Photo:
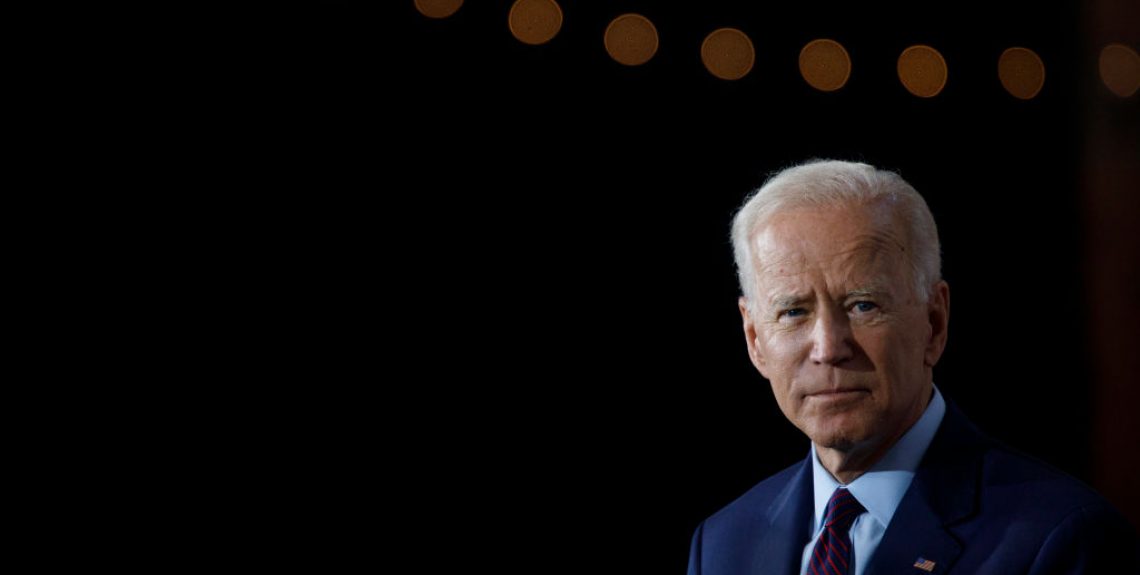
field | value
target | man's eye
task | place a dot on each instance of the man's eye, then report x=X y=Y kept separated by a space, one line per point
x=864 y=306
x=794 y=312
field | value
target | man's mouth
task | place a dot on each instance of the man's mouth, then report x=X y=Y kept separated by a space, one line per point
x=838 y=393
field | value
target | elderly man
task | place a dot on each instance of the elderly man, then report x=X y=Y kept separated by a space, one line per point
x=845 y=314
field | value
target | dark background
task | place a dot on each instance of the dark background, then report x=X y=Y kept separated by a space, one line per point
x=570 y=384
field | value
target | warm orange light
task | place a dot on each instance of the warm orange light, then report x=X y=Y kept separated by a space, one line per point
x=535 y=21
x=1021 y=72
x=825 y=65
x=1120 y=69
x=728 y=54
x=922 y=71
x=438 y=8
x=631 y=39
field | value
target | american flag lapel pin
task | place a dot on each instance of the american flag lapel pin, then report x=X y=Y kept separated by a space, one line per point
x=924 y=564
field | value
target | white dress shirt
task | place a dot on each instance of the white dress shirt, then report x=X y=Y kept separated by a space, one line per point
x=880 y=489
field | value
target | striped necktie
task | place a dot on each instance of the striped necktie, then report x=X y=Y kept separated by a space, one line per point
x=833 y=554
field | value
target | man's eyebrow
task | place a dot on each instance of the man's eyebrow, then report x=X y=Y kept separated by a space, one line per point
x=787 y=301
x=870 y=291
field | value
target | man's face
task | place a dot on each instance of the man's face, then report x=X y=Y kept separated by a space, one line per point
x=839 y=332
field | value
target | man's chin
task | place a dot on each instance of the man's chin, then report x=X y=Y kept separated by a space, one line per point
x=841 y=444
x=841 y=439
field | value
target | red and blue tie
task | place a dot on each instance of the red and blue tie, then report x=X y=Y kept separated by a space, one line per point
x=832 y=554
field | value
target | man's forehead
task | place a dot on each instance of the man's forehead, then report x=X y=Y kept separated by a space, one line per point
x=874 y=277
x=807 y=236
x=788 y=269
x=777 y=257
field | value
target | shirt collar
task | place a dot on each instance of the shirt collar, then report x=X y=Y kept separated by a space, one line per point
x=881 y=488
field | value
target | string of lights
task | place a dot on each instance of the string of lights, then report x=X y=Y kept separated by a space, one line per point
x=729 y=54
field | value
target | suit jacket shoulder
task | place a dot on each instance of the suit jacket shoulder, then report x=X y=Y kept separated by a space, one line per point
x=978 y=506
x=762 y=531
x=974 y=506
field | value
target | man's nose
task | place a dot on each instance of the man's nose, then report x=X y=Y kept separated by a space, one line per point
x=831 y=339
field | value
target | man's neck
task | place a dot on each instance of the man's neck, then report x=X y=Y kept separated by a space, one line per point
x=847 y=466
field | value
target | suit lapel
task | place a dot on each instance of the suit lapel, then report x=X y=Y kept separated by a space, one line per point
x=942 y=493
x=779 y=550
x=916 y=534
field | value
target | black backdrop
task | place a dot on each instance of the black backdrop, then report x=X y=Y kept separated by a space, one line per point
x=569 y=383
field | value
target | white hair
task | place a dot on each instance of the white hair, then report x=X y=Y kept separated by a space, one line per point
x=828 y=183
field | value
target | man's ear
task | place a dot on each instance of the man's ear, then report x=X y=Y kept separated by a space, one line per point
x=938 y=314
x=751 y=337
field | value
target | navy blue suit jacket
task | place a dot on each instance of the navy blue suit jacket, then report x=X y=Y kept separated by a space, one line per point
x=974 y=506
